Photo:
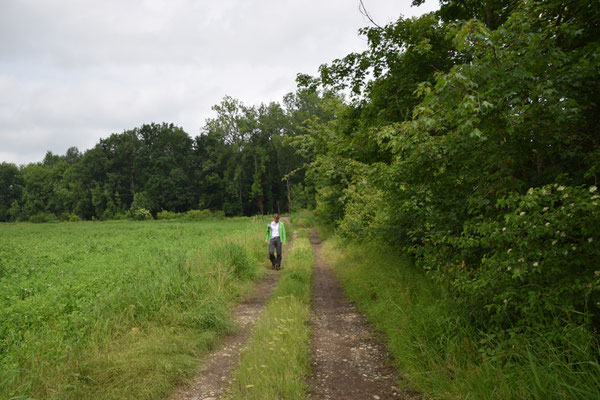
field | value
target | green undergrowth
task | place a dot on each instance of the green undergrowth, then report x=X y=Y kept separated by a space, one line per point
x=277 y=360
x=117 y=310
x=303 y=219
x=442 y=356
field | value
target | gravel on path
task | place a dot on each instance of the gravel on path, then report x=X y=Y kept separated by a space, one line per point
x=348 y=360
x=212 y=380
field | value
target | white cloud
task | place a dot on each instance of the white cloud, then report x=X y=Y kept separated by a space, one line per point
x=72 y=71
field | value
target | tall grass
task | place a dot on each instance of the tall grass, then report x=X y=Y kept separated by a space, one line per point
x=277 y=360
x=116 y=310
x=303 y=219
x=444 y=357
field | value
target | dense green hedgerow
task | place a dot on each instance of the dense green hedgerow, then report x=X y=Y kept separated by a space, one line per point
x=538 y=261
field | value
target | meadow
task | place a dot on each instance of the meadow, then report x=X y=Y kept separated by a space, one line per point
x=117 y=309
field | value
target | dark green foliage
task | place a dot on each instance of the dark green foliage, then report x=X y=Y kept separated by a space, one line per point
x=460 y=122
x=11 y=189
x=164 y=214
x=42 y=217
x=239 y=165
x=536 y=261
x=199 y=215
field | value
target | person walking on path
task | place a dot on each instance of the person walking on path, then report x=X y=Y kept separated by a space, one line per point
x=275 y=238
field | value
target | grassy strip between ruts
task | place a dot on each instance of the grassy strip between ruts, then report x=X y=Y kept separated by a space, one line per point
x=444 y=357
x=277 y=360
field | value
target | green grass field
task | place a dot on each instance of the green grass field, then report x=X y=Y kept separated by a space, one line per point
x=120 y=309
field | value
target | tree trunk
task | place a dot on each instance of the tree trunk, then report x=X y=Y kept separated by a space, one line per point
x=289 y=195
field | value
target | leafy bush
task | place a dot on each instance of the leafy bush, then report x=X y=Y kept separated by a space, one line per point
x=199 y=215
x=141 y=200
x=442 y=354
x=164 y=214
x=73 y=218
x=539 y=259
x=123 y=215
x=219 y=214
x=141 y=214
x=363 y=212
x=42 y=217
x=68 y=217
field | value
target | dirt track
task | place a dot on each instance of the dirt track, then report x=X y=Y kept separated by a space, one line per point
x=212 y=380
x=348 y=361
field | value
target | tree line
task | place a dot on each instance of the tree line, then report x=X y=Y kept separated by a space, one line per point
x=241 y=164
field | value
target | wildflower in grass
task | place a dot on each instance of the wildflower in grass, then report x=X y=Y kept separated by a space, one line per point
x=535 y=264
x=546 y=209
x=509 y=268
x=505 y=301
x=593 y=189
x=547 y=223
x=573 y=248
x=566 y=195
x=597 y=273
x=508 y=251
x=530 y=190
x=522 y=213
x=561 y=188
x=521 y=260
x=554 y=242
x=504 y=229
x=590 y=240
x=566 y=252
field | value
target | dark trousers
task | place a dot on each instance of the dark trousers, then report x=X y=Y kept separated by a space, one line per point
x=275 y=243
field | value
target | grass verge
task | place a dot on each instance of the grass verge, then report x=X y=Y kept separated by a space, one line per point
x=277 y=360
x=441 y=355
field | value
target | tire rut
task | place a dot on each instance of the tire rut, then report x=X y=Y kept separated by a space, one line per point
x=212 y=380
x=348 y=360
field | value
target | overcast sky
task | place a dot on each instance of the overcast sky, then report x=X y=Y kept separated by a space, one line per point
x=73 y=71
